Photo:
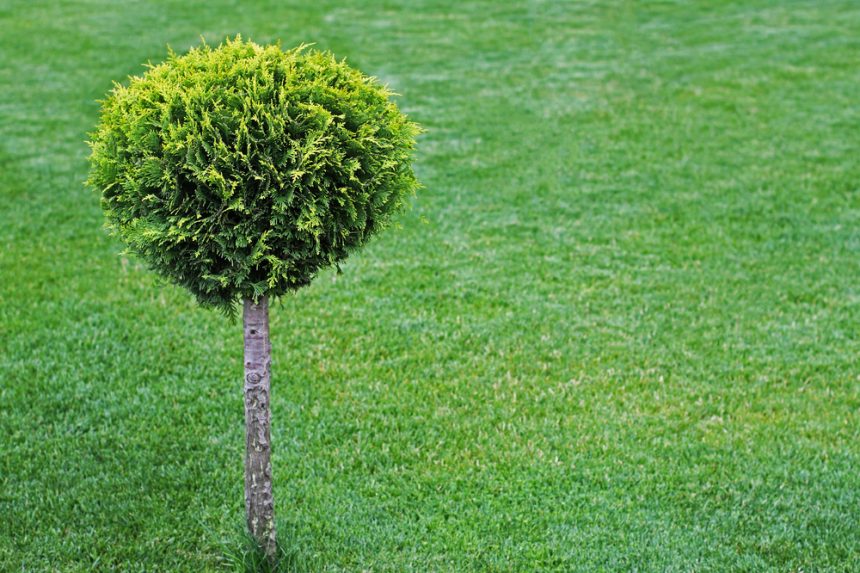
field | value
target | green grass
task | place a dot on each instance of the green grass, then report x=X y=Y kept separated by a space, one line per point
x=618 y=331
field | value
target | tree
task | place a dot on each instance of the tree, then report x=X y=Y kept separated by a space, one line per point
x=239 y=172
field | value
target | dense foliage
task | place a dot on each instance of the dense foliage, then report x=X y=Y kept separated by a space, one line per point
x=241 y=170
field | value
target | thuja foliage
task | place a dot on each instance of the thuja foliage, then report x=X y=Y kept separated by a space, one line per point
x=242 y=170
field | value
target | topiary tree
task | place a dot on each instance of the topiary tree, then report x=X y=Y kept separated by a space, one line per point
x=239 y=172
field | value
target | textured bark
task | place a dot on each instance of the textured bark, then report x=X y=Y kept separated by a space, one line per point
x=259 y=501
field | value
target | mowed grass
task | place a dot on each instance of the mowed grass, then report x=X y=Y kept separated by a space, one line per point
x=618 y=331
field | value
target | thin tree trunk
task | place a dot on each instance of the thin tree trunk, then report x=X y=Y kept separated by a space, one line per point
x=259 y=501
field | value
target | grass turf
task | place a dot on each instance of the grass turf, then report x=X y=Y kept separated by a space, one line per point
x=617 y=332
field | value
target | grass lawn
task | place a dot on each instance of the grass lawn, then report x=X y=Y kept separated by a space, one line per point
x=618 y=331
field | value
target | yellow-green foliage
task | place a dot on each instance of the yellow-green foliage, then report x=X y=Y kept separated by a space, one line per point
x=241 y=170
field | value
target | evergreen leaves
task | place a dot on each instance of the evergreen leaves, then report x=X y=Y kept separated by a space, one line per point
x=242 y=170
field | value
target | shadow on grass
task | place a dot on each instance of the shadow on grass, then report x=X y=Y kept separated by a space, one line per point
x=242 y=554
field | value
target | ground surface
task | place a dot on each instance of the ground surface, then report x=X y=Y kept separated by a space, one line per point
x=618 y=331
